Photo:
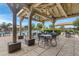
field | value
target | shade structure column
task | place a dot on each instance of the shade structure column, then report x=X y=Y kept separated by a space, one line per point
x=30 y=26
x=30 y=40
x=20 y=27
x=43 y=25
x=53 y=22
x=14 y=46
x=14 y=24
x=20 y=30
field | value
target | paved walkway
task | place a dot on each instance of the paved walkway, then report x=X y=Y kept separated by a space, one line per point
x=65 y=47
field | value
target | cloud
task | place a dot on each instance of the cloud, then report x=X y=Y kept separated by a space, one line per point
x=2 y=20
x=69 y=26
x=5 y=18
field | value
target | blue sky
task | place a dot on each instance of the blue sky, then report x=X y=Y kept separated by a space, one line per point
x=6 y=16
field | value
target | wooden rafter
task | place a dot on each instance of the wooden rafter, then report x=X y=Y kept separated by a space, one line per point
x=23 y=12
x=46 y=6
x=40 y=13
x=36 y=5
x=61 y=9
x=69 y=16
x=56 y=10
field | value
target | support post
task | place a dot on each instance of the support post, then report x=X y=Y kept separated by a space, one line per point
x=14 y=46
x=53 y=22
x=14 y=24
x=30 y=40
x=20 y=27
x=30 y=26
x=43 y=25
x=20 y=36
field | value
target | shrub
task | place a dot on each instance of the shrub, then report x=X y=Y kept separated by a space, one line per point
x=51 y=30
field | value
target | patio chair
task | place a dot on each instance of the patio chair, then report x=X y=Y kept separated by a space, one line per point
x=45 y=40
x=54 y=37
x=41 y=40
x=34 y=34
x=67 y=34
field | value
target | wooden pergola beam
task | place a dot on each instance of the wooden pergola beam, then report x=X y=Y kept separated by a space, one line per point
x=61 y=9
x=23 y=12
x=40 y=13
x=46 y=6
x=14 y=11
x=36 y=5
x=14 y=24
x=59 y=6
x=20 y=27
x=41 y=16
x=30 y=25
x=69 y=16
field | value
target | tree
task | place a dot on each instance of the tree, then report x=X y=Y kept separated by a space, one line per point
x=39 y=26
x=51 y=26
x=62 y=27
x=76 y=23
x=25 y=27
x=33 y=26
x=5 y=26
x=9 y=24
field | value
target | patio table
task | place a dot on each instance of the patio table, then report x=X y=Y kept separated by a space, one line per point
x=46 y=35
x=47 y=38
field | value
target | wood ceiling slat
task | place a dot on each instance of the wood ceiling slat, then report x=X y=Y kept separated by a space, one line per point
x=69 y=9
x=47 y=10
x=36 y=5
x=57 y=12
x=61 y=9
x=60 y=14
x=54 y=12
x=51 y=12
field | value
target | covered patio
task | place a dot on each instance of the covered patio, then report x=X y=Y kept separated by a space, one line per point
x=44 y=12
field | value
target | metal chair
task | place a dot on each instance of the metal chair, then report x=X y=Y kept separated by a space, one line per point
x=42 y=40
x=54 y=35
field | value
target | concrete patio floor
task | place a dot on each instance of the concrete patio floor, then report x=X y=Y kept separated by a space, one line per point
x=65 y=47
